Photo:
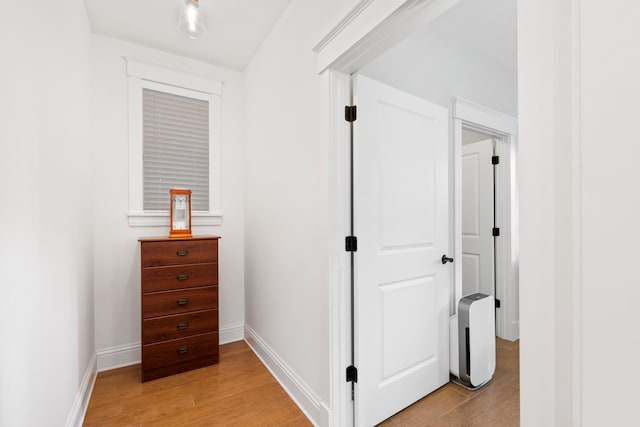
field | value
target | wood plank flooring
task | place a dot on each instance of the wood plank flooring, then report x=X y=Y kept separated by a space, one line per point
x=495 y=405
x=240 y=391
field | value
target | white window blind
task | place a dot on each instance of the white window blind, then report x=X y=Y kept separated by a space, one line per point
x=175 y=149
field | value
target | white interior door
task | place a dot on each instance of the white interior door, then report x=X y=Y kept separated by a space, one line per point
x=477 y=218
x=401 y=221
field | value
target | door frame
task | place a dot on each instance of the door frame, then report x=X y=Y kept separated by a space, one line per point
x=552 y=340
x=365 y=33
x=504 y=128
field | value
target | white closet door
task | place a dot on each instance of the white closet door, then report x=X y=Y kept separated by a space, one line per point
x=477 y=218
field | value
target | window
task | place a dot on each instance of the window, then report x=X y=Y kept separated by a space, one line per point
x=174 y=122
x=175 y=153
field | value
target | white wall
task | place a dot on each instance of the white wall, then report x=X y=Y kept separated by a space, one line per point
x=469 y=136
x=435 y=66
x=46 y=258
x=610 y=149
x=579 y=201
x=117 y=253
x=541 y=283
x=287 y=201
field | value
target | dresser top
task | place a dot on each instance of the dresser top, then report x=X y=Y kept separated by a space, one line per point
x=171 y=239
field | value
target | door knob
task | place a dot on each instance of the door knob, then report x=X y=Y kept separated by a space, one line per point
x=446 y=259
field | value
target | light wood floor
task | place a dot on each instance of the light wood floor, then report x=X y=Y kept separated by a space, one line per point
x=241 y=392
x=495 y=405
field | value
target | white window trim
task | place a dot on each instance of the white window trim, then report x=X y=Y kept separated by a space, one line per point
x=146 y=75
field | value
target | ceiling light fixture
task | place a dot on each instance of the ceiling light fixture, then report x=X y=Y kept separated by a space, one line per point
x=190 y=20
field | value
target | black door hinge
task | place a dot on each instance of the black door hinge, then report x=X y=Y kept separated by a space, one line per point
x=495 y=160
x=350 y=113
x=352 y=374
x=351 y=244
x=496 y=231
x=497 y=303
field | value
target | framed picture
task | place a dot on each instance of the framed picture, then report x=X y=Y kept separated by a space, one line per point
x=180 y=218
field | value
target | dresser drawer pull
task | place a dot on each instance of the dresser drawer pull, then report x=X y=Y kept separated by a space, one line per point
x=182 y=252
x=182 y=326
x=183 y=350
x=183 y=301
x=181 y=277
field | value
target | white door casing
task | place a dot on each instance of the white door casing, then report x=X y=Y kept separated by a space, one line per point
x=503 y=129
x=402 y=224
x=477 y=218
x=340 y=53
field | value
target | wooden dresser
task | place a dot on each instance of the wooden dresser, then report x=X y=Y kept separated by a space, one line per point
x=179 y=304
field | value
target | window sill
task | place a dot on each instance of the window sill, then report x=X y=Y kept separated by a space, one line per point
x=161 y=219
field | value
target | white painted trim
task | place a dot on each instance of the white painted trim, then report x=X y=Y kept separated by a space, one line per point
x=118 y=356
x=162 y=74
x=339 y=85
x=371 y=28
x=161 y=219
x=303 y=395
x=146 y=75
x=504 y=127
x=492 y=120
x=507 y=325
x=514 y=247
x=81 y=402
x=455 y=186
x=576 y=208
x=344 y=23
x=361 y=21
x=231 y=333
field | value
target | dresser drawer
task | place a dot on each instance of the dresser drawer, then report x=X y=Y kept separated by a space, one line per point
x=180 y=350
x=156 y=279
x=179 y=326
x=181 y=301
x=178 y=252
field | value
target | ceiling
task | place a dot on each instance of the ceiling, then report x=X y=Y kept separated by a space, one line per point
x=235 y=28
x=486 y=26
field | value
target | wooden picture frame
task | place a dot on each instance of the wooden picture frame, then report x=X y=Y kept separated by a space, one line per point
x=180 y=213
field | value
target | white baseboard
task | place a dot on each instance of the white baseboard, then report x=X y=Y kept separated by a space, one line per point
x=315 y=410
x=514 y=333
x=231 y=333
x=119 y=356
x=79 y=408
x=129 y=354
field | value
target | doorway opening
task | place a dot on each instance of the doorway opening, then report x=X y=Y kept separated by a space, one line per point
x=479 y=228
x=487 y=223
x=426 y=63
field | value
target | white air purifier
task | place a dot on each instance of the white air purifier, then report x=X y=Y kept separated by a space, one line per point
x=473 y=341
